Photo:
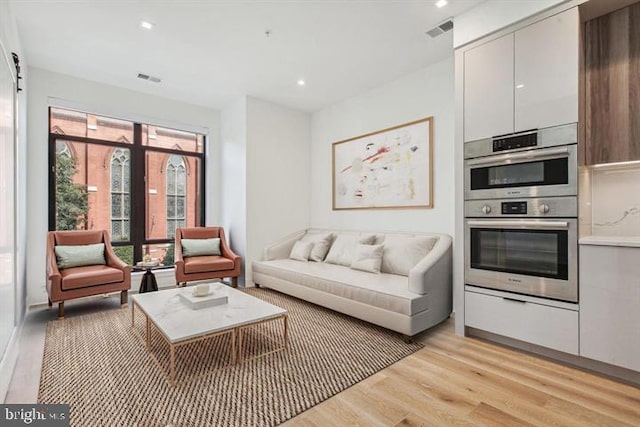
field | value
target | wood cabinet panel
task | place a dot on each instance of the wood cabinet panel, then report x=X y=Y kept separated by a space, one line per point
x=612 y=86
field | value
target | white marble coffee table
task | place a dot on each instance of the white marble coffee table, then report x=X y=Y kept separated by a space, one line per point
x=179 y=324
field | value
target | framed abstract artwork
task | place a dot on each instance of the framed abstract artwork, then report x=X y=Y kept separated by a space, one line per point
x=388 y=169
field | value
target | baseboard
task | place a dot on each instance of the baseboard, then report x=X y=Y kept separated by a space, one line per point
x=8 y=363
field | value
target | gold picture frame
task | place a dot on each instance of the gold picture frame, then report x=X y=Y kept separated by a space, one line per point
x=388 y=169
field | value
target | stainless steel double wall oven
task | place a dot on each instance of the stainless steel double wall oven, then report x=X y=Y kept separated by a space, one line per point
x=522 y=213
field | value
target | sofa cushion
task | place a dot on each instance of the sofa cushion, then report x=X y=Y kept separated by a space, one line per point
x=386 y=291
x=321 y=245
x=200 y=247
x=341 y=252
x=301 y=251
x=367 y=258
x=89 y=275
x=402 y=253
x=201 y=264
x=68 y=256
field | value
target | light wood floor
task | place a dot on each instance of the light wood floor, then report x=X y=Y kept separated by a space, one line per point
x=456 y=381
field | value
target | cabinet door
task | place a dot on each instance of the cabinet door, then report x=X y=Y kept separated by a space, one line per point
x=610 y=305
x=546 y=72
x=488 y=89
x=612 y=86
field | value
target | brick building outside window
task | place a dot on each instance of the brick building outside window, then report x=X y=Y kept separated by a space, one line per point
x=140 y=181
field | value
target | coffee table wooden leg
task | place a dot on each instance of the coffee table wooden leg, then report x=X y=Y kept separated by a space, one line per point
x=172 y=364
x=133 y=314
x=239 y=344
x=286 y=331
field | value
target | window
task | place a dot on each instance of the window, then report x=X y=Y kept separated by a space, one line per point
x=62 y=149
x=8 y=202
x=120 y=200
x=176 y=194
x=135 y=180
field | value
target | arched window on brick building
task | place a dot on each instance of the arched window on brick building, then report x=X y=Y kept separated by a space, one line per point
x=120 y=194
x=62 y=149
x=176 y=194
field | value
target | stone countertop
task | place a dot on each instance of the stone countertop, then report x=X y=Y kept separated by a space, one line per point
x=624 y=241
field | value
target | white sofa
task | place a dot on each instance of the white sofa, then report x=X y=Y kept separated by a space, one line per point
x=405 y=304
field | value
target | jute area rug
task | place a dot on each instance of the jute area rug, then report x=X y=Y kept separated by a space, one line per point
x=99 y=365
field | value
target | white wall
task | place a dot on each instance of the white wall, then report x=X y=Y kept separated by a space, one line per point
x=277 y=175
x=109 y=100
x=233 y=138
x=494 y=15
x=265 y=165
x=428 y=92
x=11 y=42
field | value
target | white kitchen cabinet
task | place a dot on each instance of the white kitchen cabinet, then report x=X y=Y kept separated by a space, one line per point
x=513 y=317
x=524 y=80
x=488 y=89
x=610 y=304
x=546 y=72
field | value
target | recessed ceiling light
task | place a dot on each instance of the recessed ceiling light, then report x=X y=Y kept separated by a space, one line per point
x=301 y=82
x=148 y=25
x=519 y=86
x=441 y=3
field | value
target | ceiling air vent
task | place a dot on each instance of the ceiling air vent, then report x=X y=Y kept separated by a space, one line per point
x=150 y=78
x=441 y=28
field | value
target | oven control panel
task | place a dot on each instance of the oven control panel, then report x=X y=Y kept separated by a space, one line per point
x=566 y=207
x=514 y=208
x=529 y=139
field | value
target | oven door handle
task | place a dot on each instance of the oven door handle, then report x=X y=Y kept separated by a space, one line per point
x=544 y=154
x=541 y=225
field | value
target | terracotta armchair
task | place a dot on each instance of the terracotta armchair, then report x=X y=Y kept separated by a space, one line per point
x=209 y=266
x=88 y=280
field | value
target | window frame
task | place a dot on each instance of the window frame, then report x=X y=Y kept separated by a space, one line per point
x=121 y=193
x=175 y=195
x=137 y=186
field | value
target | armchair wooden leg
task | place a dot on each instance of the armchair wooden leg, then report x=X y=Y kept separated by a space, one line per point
x=124 y=297
x=234 y=282
x=49 y=302
x=257 y=285
x=61 y=310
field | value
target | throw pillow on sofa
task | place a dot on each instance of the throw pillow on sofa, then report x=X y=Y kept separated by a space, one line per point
x=341 y=252
x=79 y=255
x=402 y=253
x=367 y=258
x=321 y=244
x=301 y=251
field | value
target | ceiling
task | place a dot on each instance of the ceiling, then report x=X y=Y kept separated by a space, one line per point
x=211 y=52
